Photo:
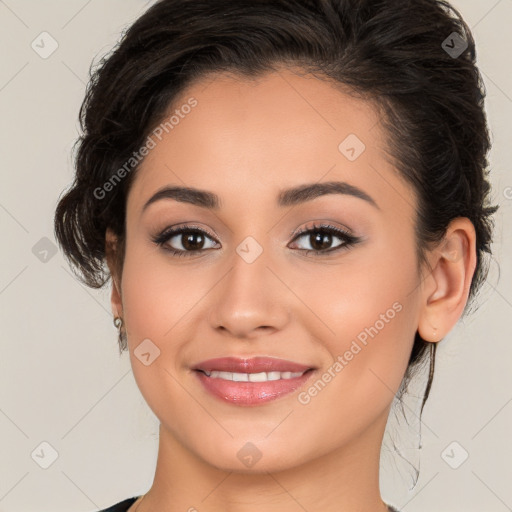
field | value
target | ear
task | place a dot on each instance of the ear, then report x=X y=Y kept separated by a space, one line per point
x=111 y=249
x=445 y=289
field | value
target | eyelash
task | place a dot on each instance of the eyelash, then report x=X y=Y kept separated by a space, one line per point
x=348 y=239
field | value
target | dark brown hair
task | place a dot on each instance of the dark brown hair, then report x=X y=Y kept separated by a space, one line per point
x=399 y=55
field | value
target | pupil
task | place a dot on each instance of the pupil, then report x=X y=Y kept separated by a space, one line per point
x=317 y=239
x=189 y=244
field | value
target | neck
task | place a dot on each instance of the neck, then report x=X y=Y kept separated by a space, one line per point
x=346 y=479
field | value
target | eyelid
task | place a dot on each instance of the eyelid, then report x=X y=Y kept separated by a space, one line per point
x=186 y=227
x=345 y=234
x=293 y=234
x=318 y=225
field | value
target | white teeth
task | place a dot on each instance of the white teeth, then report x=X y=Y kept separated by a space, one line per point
x=257 y=377
x=252 y=377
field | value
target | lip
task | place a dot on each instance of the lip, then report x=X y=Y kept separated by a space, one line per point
x=251 y=393
x=252 y=365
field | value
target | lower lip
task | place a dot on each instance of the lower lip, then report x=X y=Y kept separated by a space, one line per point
x=252 y=393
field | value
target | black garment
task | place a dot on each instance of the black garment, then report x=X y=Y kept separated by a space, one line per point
x=123 y=506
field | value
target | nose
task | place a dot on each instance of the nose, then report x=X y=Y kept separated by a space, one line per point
x=251 y=299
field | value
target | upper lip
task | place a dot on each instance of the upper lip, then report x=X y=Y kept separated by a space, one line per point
x=250 y=365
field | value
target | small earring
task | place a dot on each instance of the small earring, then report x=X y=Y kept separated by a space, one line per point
x=118 y=322
x=121 y=335
x=435 y=334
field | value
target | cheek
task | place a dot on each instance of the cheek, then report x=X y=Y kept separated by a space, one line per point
x=156 y=294
x=368 y=353
x=369 y=317
x=160 y=302
x=156 y=300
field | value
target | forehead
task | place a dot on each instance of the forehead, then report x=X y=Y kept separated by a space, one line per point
x=278 y=131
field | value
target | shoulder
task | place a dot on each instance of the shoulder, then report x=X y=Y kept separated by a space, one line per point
x=122 y=506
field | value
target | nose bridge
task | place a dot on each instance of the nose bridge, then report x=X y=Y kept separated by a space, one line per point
x=249 y=295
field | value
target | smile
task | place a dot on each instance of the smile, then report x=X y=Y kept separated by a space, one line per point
x=251 y=382
x=253 y=377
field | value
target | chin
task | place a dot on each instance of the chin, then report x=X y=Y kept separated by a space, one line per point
x=244 y=456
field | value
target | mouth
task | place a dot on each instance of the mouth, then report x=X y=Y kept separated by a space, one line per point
x=252 y=377
x=251 y=382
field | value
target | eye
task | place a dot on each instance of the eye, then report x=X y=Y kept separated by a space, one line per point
x=321 y=236
x=188 y=240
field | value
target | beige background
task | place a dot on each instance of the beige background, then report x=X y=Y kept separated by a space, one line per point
x=62 y=381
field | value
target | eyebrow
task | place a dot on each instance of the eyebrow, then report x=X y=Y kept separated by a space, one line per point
x=288 y=197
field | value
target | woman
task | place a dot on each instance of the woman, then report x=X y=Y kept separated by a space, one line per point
x=291 y=199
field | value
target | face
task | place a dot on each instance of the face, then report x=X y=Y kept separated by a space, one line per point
x=324 y=280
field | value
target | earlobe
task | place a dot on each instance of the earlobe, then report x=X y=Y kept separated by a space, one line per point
x=446 y=288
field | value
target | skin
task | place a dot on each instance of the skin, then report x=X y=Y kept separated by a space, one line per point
x=245 y=141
